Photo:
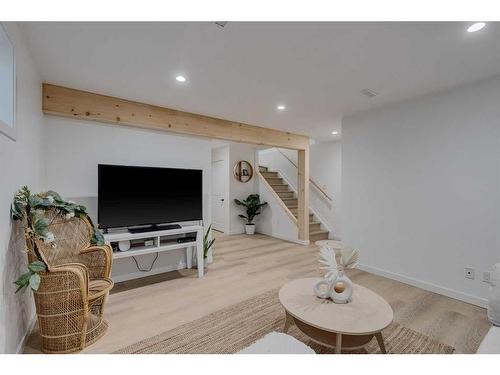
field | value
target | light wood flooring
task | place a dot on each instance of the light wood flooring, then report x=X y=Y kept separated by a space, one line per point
x=245 y=266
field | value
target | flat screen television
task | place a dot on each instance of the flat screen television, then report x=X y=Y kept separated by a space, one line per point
x=135 y=196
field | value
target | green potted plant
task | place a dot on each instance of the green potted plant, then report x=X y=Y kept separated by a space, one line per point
x=207 y=244
x=30 y=209
x=253 y=206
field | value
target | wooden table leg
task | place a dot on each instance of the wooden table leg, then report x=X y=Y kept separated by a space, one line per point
x=288 y=322
x=380 y=341
x=338 y=343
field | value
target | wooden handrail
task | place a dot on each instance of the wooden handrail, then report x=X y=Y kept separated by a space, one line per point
x=277 y=197
x=310 y=179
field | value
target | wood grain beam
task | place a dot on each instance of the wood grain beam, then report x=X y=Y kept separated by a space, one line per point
x=67 y=102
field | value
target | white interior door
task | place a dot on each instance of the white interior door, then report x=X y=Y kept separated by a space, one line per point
x=219 y=194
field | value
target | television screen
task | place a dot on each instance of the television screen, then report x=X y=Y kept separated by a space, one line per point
x=130 y=196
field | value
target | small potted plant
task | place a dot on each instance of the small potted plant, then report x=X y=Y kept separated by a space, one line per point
x=252 y=205
x=207 y=244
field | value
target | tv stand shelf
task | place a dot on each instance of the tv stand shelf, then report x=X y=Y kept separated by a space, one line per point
x=161 y=244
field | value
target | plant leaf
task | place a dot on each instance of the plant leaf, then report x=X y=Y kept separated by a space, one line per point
x=36 y=266
x=206 y=243
x=40 y=225
x=23 y=281
x=35 y=281
x=54 y=195
x=16 y=210
x=238 y=202
x=35 y=200
x=97 y=237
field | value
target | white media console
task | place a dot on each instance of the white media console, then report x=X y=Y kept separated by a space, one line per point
x=162 y=240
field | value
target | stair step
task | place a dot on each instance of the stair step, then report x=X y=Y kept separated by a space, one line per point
x=318 y=235
x=279 y=187
x=314 y=226
x=274 y=180
x=285 y=194
x=262 y=168
x=269 y=174
x=290 y=202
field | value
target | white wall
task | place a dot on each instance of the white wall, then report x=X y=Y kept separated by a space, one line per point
x=73 y=149
x=21 y=163
x=421 y=191
x=273 y=220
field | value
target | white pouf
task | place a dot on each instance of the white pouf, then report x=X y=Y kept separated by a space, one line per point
x=277 y=343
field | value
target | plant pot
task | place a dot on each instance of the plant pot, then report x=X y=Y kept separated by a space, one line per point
x=205 y=264
x=250 y=228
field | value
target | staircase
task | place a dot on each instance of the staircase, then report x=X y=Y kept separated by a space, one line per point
x=290 y=200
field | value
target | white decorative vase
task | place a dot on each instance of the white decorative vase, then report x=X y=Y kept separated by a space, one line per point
x=341 y=288
x=250 y=228
x=338 y=289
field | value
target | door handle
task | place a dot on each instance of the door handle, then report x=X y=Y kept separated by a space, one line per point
x=222 y=200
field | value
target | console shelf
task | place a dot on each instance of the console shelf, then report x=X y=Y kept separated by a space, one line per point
x=161 y=243
x=151 y=249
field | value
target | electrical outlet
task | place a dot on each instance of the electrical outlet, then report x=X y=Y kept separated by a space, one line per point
x=487 y=277
x=469 y=273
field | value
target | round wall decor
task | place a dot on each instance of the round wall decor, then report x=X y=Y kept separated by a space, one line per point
x=243 y=171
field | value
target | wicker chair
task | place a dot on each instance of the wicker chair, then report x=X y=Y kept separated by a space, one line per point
x=72 y=293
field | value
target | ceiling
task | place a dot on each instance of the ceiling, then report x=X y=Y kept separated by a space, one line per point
x=243 y=71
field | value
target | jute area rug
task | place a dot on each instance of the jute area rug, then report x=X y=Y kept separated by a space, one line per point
x=235 y=327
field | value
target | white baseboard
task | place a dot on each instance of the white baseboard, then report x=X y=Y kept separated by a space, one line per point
x=478 y=301
x=24 y=339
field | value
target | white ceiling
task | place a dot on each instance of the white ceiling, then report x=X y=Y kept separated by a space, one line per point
x=243 y=71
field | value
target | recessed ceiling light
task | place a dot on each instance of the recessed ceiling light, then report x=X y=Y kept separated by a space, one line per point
x=180 y=79
x=476 y=27
x=280 y=108
x=335 y=132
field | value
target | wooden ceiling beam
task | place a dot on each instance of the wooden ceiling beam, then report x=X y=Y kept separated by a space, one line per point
x=67 y=102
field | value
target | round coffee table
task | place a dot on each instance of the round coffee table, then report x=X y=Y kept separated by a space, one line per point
x=349 y=326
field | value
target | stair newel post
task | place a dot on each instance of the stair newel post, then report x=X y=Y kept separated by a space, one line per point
x=303 y=193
